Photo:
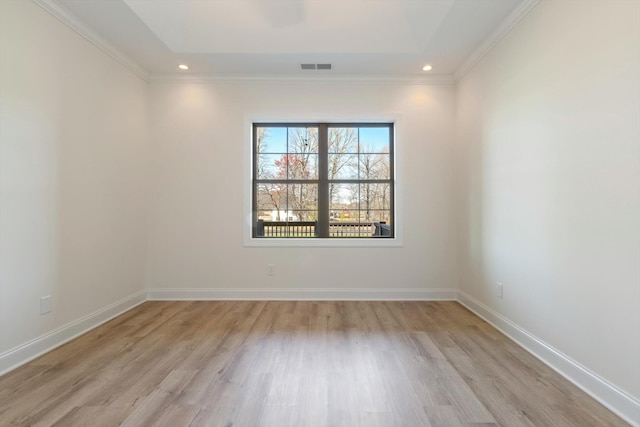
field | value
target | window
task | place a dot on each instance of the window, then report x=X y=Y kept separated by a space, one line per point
x=319 y=180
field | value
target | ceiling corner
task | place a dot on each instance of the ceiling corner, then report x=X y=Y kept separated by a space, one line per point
x=77 y=25
x=495 y=37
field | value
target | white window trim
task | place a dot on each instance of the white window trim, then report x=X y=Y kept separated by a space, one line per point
x=250 y=241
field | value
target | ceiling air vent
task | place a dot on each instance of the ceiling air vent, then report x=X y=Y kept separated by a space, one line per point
x=315 y=66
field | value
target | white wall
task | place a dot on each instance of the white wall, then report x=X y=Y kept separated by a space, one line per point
x=73 y=176
x=197 y=210
x=547 y=156
x=549 y=150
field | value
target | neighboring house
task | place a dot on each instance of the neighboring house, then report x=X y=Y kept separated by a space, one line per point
x=281 y=215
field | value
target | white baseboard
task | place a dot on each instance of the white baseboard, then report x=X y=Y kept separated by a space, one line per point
x=305 y=294
x=24 y=353
x=624 y=405
x=619 y=402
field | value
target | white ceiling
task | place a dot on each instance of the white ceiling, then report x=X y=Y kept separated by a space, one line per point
x=391 y=38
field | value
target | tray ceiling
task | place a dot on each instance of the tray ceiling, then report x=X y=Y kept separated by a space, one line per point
x=273 y=37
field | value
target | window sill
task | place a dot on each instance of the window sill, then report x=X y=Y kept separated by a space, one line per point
x=323 y=243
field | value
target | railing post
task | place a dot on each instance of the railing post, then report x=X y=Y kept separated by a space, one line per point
x=260 y=228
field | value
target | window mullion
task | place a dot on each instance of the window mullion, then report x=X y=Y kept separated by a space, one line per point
x=272 y=179
x=254 y=177
x=322 y=229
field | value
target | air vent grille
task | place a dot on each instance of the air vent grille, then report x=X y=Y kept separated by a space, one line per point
x=315 y=66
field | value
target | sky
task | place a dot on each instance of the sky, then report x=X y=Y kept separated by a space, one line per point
x=371 y=139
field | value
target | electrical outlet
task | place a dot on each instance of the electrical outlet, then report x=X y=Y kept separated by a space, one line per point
x=271 y=270
x=499 y=289
x=45 y=304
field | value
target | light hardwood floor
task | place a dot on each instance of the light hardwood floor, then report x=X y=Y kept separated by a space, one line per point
x=256 y=363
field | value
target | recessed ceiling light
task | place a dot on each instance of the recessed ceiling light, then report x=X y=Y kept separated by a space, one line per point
x=183 y=67
x=427 y=68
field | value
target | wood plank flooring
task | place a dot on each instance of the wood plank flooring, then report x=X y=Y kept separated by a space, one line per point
x=294 y=363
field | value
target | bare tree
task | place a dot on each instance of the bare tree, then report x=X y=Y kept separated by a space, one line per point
x=341 y=142
x=261 y=147
x=385 y=170
x=301 y=163
x=272 y=196
x=371 y=166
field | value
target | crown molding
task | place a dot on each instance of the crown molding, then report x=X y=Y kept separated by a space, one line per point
x=77 y=25
x=438 y=79
x=495 y=37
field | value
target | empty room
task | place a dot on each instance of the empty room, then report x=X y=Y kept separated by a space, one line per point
x=320 y=213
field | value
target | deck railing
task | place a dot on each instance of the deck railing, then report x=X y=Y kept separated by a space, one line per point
x=351 y=229
x=286 y=229
x=308 y=229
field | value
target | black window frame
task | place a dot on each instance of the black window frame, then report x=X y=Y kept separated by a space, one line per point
x=322 y=225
